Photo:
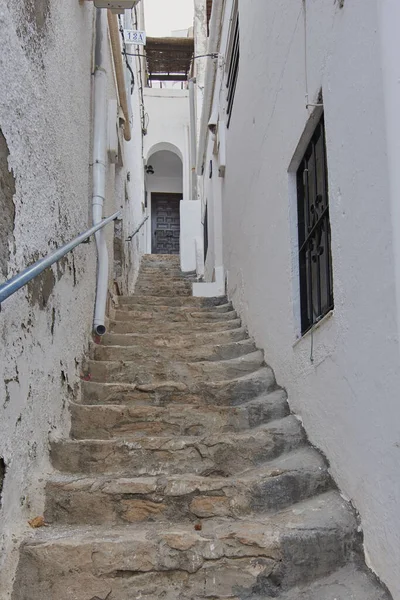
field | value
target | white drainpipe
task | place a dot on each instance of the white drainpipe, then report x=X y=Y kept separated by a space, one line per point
x=100 y=166
x=193 y=176
x=211 y=69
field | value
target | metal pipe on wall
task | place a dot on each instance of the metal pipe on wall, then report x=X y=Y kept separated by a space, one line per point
x=193 y=138
x=211 y=70
x=119 y=70
x=100 y=167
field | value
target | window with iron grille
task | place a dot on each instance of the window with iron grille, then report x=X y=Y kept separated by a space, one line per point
x=205 y=233
x=232 y=66
x=315 y=262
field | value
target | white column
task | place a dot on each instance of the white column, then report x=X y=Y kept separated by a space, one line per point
x=186 y=165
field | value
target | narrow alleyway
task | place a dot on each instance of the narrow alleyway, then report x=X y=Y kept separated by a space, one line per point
x=186 y=477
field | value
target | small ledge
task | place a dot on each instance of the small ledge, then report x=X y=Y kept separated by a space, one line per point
x=314 y=327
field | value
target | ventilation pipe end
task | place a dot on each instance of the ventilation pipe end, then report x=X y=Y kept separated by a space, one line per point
x=100 y=329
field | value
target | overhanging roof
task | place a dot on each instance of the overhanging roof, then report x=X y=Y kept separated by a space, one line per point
x=169 y=59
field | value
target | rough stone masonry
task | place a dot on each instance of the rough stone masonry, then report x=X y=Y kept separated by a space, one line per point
x=186 y=477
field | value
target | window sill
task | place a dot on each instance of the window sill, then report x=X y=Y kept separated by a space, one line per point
x=314 y=327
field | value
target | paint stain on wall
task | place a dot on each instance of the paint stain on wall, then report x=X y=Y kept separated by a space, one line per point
x=37 y=12
x=40 y=288
x=7 y=212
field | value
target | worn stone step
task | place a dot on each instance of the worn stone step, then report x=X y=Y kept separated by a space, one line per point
x=156 y=370
x=168 y=311
x=223 y=393
x=178 y=317
x=266 y=555
x=220 y=453
x=198 y=353
x=178 y=340
x=156 y=288
x=167 y=326
x=352 y=582
x=171 y=301
x=107 y=421
x=167 y=279
x=275 y=485
x=164 y=291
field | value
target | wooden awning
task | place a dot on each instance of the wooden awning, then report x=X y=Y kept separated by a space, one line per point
x=169 y=59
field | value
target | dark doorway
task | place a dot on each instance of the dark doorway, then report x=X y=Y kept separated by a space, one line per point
x=165 y=223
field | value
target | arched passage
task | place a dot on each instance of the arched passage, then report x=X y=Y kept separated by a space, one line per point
x=164 y=184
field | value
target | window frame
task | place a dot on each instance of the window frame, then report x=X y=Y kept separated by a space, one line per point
x=314 y=232
x=232 y=62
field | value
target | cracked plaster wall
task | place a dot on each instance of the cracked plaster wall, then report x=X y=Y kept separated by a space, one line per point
x=45 y=328
x=348 y=396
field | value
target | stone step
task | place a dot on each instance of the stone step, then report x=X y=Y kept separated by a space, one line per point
x=178 y=341
x=167 y=326
x=157 y=370
x=266 y=555
x=168 y=311
x=179 y=317
x=352 y=582
x=171 y=301
x=160 y=258
x=219 y=454
x=107 y=421
x=223 y=393
x=72 y=500
x=154 y=280
x=199 y=353
x=156 y=287
x=165 y=292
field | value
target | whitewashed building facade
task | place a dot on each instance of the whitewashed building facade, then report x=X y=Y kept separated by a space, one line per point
x=297 y=158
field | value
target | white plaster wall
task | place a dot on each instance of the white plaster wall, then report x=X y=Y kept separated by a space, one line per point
x=45 y=116
x=348 y=397
x=190 y=214
x=168 y=113
x=200 y=40
x=171 y=185
x=133 y=193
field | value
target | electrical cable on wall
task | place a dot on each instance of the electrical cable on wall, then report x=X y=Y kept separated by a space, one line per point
x=121 y=29
x=144 y=130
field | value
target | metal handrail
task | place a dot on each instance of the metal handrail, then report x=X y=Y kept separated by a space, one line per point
x=18 y=281
x=128 y=239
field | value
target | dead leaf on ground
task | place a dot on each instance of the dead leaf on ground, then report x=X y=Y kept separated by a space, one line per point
x=37 y=522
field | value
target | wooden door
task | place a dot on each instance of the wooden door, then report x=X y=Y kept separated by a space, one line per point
x=165 y=223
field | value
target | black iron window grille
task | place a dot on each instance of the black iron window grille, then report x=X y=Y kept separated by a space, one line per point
x=205 y=233
x=315 y=262
x=233 y=69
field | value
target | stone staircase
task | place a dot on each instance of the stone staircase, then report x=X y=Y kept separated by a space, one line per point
x=185 y=476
